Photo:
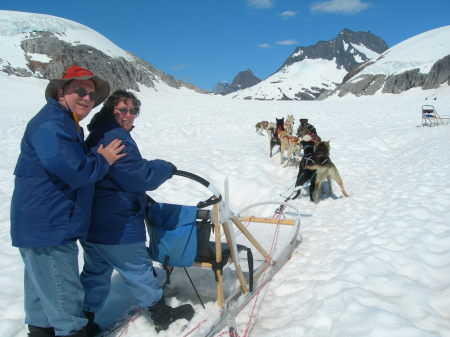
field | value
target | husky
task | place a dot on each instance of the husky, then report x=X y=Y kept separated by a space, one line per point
x=260 y=126
x=304 y=175
x=325 y=169
x=289 y=124
x=274 y=139
x=287 y=143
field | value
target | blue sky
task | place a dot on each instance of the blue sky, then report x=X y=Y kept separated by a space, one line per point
x=207 y=41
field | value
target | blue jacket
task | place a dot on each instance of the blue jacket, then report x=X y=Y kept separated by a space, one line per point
x=54 y=183
x=119 y=202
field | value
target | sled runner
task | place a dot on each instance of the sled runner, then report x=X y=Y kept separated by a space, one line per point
x=243 y=250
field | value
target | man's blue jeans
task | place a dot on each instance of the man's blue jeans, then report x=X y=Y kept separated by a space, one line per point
x=131 y=261
x=53 y=292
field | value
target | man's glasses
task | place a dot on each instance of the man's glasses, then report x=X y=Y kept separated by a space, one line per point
x=80 y=91
x=124 y=111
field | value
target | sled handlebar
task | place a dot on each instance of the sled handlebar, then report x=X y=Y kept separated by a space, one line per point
x=217 y=197
x=192 y=176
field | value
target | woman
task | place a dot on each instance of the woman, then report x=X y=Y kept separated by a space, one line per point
x=116 y=238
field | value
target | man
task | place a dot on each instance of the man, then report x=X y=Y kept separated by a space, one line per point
x=51 y=202
x=307 y=129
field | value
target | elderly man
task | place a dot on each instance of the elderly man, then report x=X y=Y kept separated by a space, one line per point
x=51 y=203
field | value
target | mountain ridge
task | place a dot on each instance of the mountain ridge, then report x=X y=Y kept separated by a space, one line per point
x=310 y=71
x=49 y=44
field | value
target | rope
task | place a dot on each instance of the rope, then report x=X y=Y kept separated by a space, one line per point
x=124 y=328
x=194 y=328
x=277 y=230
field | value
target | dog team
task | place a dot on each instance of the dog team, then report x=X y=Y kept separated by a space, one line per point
x=315 y=165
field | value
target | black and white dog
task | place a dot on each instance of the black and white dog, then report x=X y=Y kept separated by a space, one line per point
x=274 y=139
x=304 y=175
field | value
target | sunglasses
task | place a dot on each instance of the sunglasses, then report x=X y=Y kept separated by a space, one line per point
x=83 y=92
x=124 y=111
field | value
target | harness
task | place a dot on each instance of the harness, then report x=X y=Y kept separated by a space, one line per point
x=275 y=134
x=321 y=158
x=292 y=139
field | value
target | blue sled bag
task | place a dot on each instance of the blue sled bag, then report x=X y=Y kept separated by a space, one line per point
x=173 y=234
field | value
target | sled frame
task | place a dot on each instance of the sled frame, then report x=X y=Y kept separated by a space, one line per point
x=430 y=117
x=222 y=218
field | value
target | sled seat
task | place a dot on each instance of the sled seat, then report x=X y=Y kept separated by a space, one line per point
x=180 y=237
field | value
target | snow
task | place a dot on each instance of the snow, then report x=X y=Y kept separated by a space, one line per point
x=364 y=50
x=295 y=77
x=39 y=57
x=16 y=26
x=300 y=52
x=346 y=45
x=420 y=51
x=374 y=264
x=301 y=76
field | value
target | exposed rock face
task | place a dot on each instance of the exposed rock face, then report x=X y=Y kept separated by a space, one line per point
x=394 y=84
x=220 y=87
x=242 y=80
x=121 y=73
x=342 y=49
x=439 y=74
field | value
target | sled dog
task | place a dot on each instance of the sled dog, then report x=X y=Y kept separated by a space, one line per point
x=289 y=125
x=287 y=143
x=274 y=139
x=260 y=126
x=325 y=169
x=304 y=175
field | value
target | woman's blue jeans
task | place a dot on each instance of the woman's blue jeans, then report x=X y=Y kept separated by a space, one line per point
x=53 y=292
x=131 y=261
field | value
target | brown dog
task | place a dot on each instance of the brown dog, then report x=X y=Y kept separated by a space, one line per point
x=291 y=145
x=260 y=126
x=325 y=169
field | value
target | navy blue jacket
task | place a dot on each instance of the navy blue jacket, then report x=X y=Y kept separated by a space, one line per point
x=54 y=183
x=119 y=202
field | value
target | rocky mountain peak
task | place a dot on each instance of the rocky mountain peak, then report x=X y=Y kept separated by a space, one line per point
x=47 y=45
x=242 y=80
x=349 y=48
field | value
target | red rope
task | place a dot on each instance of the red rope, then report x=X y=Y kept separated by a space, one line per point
x=131 y=319
x=277 y=230
x=194 y=328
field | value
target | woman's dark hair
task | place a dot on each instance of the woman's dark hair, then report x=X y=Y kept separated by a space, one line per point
x=108 y=107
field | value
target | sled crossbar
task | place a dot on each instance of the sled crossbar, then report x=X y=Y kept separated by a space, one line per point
x=289 y=222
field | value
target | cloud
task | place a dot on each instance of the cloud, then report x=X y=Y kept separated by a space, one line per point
x=264 y=45
x=286 y=42
x=288 y=14
x=340 y=6
x=260 y=4
x=181 y=66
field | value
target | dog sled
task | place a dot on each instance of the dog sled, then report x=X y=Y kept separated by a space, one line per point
x=226 y=257
x=430 y=117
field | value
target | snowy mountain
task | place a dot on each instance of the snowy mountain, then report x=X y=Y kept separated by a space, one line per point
x=220 y=87
x=420 y=61
x=309 y=71
x=244 y=79
x=43 y=46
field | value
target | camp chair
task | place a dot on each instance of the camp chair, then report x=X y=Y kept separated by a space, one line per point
x=430 y=117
